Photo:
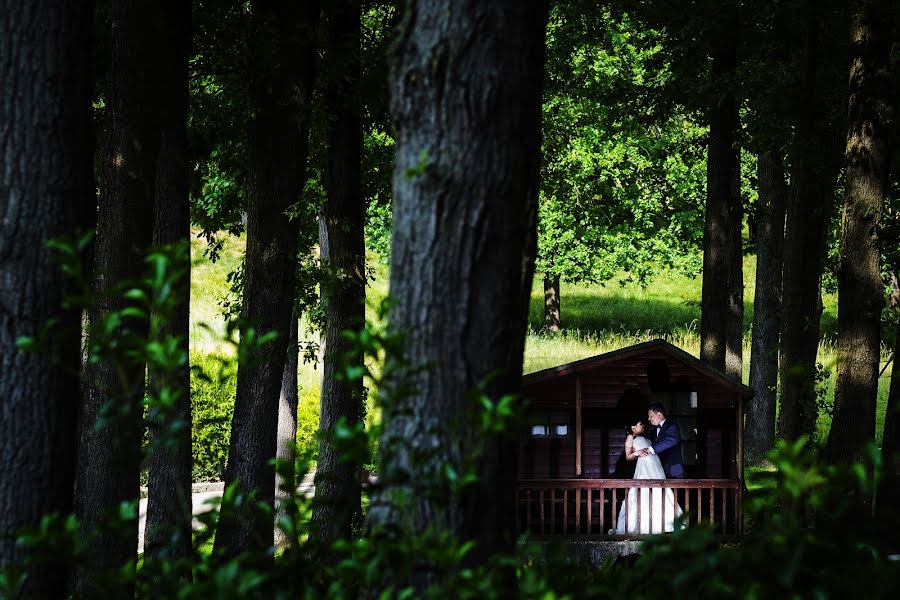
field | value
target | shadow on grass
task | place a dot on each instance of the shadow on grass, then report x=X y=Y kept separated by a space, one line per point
x=594 y=314
x=628 y=314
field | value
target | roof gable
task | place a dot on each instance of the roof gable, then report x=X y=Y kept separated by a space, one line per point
x=586 y=364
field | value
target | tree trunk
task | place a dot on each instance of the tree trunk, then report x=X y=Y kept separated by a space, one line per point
x=888 y=499
x=464 y=242
x=343 y=254
x=860 y=291
x=722 y=310
x=281 y=64
x=45 y=187
x=168 y=525
x=109 y=456
x=551 y=304
x=286 y=452
x=760 y=423
x=808 y=215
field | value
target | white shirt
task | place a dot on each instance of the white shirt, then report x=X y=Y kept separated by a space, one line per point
x=658 y=429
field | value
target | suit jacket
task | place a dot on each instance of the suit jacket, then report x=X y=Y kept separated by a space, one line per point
x=667 y=446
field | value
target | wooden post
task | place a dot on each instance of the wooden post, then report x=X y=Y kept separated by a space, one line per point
x=577 y=426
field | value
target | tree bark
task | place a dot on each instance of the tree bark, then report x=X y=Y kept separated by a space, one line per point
x=808 y=215
x=286 y=452
x=110 y=454
x=551 y=304
x=722 y=306
x=168 y=525
x=860 y=291
x=45 y=188
x=760 y=424
x=282 y=65
x=466 y=96
x=343 y=254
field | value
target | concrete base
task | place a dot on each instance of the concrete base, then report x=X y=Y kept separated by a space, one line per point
x=592 y=554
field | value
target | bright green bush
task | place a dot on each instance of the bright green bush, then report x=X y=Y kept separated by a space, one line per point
x=213 y=386
x=212 y=405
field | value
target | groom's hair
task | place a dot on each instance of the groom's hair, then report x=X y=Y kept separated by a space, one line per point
x=658 y=407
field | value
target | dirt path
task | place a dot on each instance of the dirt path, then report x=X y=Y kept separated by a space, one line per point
x=204 y=498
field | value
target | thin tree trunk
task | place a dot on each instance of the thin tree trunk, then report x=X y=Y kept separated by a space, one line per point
x=286 y=452
x=551 y=304
x=168 y=525
x=888 y=499
x=45 y=188
x=343 y=253
x=722 y=310
x=760 y=425
x=808 y=215
x=860 y=291
x=282 y=64
x=464 y=241
x=109 y=455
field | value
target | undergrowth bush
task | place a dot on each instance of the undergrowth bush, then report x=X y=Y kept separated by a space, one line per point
x=213 y=385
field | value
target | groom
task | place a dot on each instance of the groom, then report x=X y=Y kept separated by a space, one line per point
x=665 y=438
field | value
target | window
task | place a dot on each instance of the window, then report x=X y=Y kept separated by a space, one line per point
x=550 y=424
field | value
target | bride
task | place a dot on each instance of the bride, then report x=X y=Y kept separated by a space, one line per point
x=642 y=508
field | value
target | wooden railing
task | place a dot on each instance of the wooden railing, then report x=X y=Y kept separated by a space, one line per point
x=590 y=507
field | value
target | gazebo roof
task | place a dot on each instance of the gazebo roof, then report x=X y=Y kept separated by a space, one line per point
x=586 y=364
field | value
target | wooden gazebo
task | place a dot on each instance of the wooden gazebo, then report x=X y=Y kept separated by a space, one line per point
x=572 y=476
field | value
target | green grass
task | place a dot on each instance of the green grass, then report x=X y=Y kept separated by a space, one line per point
x=596 y=318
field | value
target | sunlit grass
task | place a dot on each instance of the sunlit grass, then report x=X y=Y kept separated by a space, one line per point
x=596 y=319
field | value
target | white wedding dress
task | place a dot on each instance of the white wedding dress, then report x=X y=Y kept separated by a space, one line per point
x=642 y=510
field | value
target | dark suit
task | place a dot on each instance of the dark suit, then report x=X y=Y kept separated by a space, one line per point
x=667 y=446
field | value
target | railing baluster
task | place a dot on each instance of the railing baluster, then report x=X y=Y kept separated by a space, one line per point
x=615 y=506
x=662 y=527
x=552 y=511
x=528 y=510
x=589 y=521
x=541 y=501
x=724 y=508
x=712 y=506
x=636 y=526
x=565 y=511
x=577 y=511
x=602 y=510
x=687 y=505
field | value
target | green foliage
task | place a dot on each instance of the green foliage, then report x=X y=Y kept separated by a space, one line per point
x=213 y=383
x=808 y=535
x=622 y=188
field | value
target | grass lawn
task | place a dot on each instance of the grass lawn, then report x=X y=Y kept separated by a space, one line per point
x=596 y=318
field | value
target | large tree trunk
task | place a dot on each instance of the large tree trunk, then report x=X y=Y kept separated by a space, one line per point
x=282 y=64
x=109 y=456
x=808 y=215
x=343 y=253
x=168 y=525
x=286 y=450
x=860 y=291
x=551 y=304
x=722 y=310
x=466 y=83
x=760 y=427
x=45 y=182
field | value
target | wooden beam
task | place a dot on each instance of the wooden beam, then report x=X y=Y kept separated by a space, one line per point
x=578 y=426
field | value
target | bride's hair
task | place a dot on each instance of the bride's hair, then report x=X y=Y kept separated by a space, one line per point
x=629 y=428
